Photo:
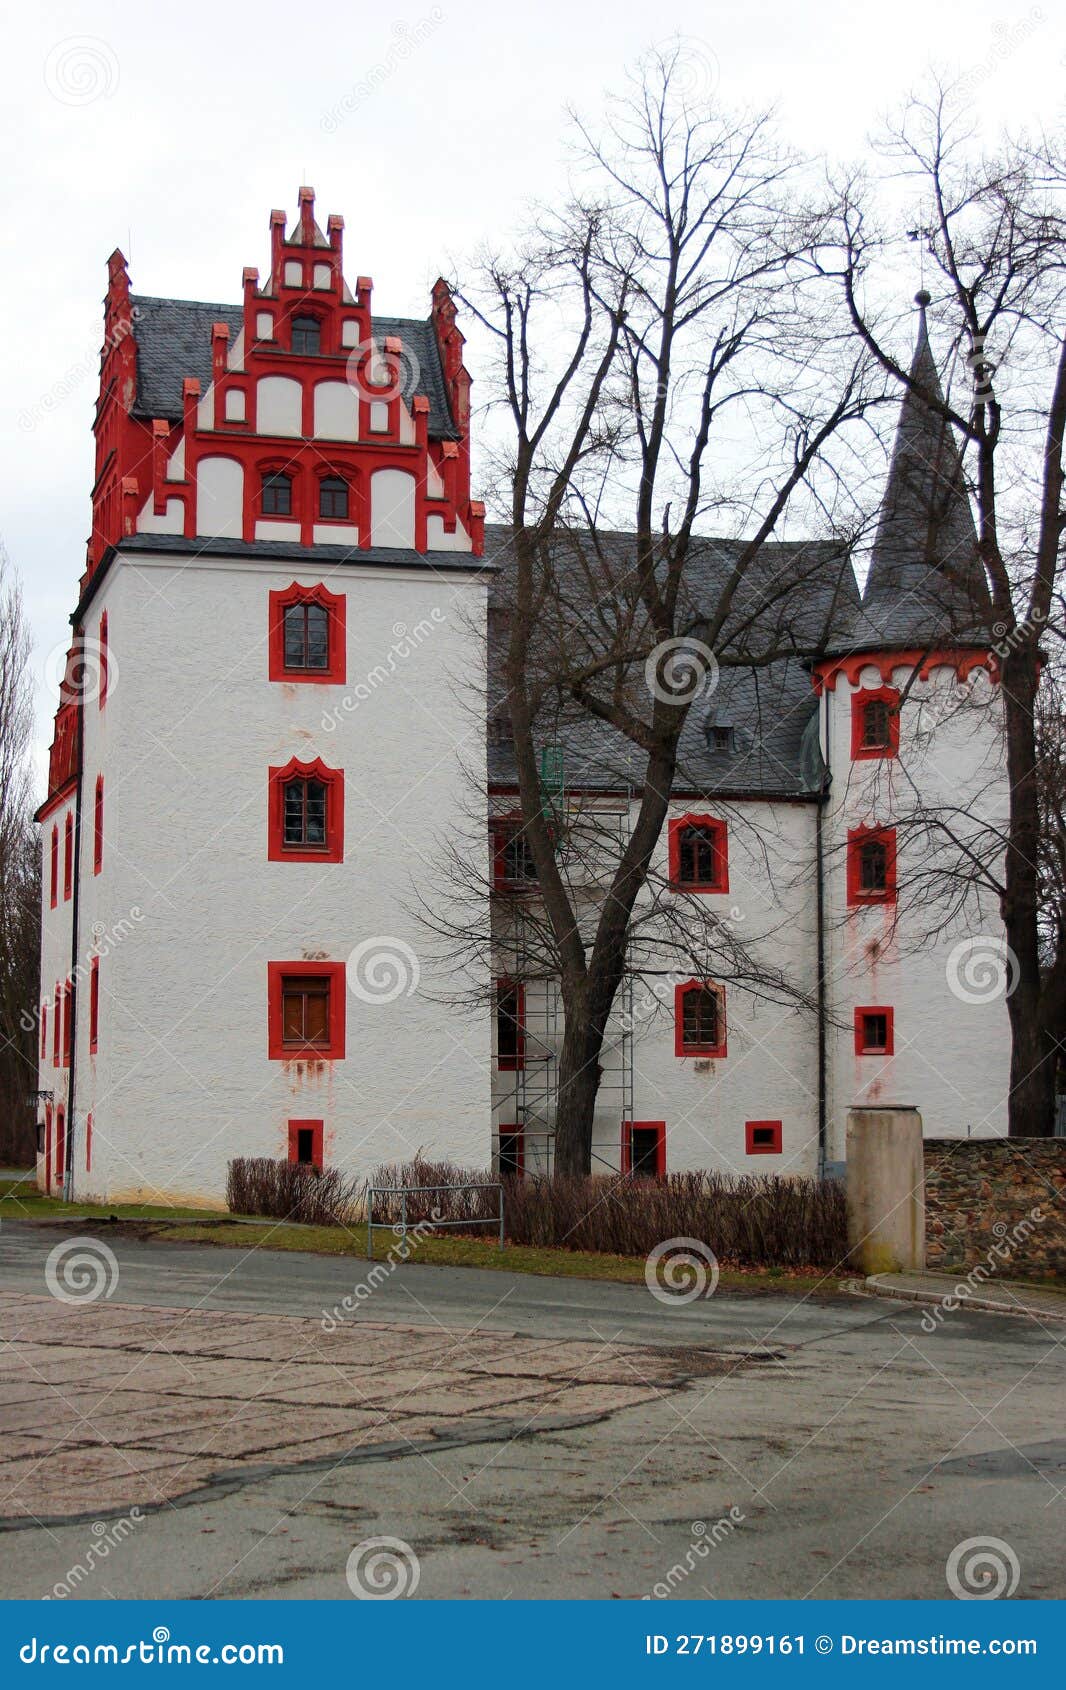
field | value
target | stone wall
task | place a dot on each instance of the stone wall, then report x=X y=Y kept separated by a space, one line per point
x=997 y=1201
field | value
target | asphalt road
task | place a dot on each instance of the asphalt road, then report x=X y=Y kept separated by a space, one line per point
x=853 y=1459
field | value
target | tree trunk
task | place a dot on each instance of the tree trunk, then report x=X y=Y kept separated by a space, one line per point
x=579 y=1082
x=1031 y=1107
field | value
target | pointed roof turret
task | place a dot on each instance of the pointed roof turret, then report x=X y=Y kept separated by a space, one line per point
x=925 y=582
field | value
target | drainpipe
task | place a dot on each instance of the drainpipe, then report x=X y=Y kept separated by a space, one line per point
x=819 y=862
x=79 y=763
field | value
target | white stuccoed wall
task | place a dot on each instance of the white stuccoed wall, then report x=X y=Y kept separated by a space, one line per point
x=952 y=1057
x=182 y=1081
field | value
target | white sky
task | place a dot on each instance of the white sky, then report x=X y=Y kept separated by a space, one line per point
x=171 y=132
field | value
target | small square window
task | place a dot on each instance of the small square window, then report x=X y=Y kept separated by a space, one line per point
x=874 y=1031
x=305 y=1143
x=762 y=1138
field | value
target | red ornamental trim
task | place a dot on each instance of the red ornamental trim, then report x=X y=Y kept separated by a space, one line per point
x=333 y=780
x=713 y=826
x=964 y=662
x=859 y=700
x=680 y=993
x=315 y=1129
x=857 y=838
x=334 y=974
x=335 y=606
x=861 y=1046
x=762 y=1138
x=628 y=1129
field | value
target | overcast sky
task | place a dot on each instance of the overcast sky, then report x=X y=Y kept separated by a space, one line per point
x=172 y=131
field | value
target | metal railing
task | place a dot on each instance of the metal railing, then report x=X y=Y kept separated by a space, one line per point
x=402 y=1227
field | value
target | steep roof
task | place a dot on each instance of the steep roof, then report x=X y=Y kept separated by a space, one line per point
x=793 y=596
x=173 y=340
x=925 y=583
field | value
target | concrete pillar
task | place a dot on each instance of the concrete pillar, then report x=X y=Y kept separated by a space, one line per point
x=886 y=1189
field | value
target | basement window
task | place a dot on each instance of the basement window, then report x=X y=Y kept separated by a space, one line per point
x=762 y=1138
x=644 y=1149
x=305 y=1143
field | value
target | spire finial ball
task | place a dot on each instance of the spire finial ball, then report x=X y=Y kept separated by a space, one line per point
x=923 y=299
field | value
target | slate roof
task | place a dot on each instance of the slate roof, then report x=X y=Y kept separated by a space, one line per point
x=173 y=340
x=796 y=594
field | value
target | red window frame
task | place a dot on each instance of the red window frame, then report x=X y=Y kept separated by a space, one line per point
x=680 y=1047
x=61 y=1144
x=717 y=828
x=859 y=700
x=628 y=1129
x=315 y=1129
x=862 y=1045
x=98 y=825
x=104 y=660
x=857 y=838
x=89 y=1142
x=68 y=855
x=277 y=974
x=57 y=1023
x=47 y=1148
x=67 y=999
x=512 y=1131
x=94 y=1003
x=769 y=1138
x=333 y=780
x=44 y=1029
x=504 y=830
x=334 y=605
x=512 y=1064
x=54 y=868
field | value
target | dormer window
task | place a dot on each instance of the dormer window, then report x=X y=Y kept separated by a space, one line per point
x=306 y=336
x=276 y=495
x=333 y=498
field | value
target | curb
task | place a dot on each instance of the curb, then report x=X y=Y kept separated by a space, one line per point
x=875 y=1287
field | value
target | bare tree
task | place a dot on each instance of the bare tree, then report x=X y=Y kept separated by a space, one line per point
x=19 y=881
x=992 y=228
x=671 y=308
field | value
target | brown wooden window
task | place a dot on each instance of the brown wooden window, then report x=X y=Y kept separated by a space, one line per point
x=305 y=1011
x=306 y=636
x=700 y=1017
x=875 y=725
x=305 y=805
x=873 y=866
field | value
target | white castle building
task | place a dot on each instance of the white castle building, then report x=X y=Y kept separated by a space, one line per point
x=278 y=703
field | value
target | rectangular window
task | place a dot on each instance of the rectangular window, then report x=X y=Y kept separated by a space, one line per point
x=305 y=1010
x=276 y=495
x=305 y=813
x=66 y=1024
x=305 y=1143
x=57 y=1020
x=510 y=1028
x=54 y=869
x=44 y=1028
x=699 y=1019
x=874 y=1031
x=511 y=1161
x=512 y=857
x=644 y=1149
x=699 y=854
x=68 y=856
x=94 y=1002
x=307 y=635
x=762 y=1138
x=103 y=659
x=871 y=866
x=98 y=826
x=875 y=723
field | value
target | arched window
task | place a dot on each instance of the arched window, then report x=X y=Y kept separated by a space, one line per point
x=306 y=813
x=699 y=1019
x=699 y=854
x=276 y=494
x=306 y=335
x=333 y=498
